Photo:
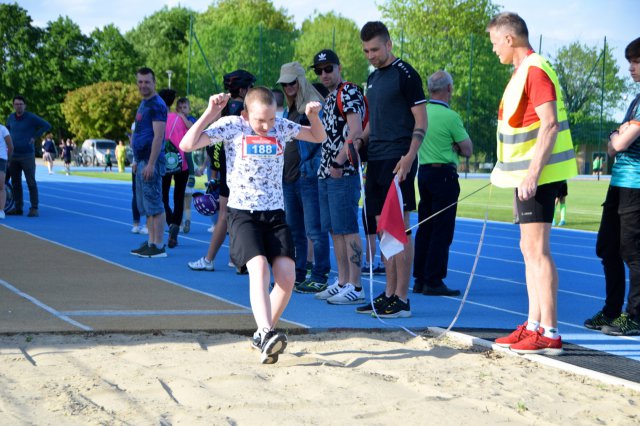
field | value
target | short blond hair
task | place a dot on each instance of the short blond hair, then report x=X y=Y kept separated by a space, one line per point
x=261 y=95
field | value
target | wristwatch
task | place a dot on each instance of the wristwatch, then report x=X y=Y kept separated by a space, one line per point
x=336 y=165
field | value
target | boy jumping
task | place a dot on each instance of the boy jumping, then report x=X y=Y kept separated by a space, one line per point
x=254 y=145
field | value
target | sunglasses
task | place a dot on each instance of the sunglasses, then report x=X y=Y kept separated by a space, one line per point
x=328 y=69
x=293 y=83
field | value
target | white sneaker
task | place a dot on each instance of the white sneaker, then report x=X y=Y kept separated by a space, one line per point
x=231 y=264
x=135 y=229
x=144 y=230
x=201 y=264
x=211 y=228
x=348 y=295
x=332 y=290
x=2 y=215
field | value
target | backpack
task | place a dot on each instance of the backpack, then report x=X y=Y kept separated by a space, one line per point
x=362 y=152
x=365 y=119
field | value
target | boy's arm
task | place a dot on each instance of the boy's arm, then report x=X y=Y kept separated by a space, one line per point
x=315 y=132
x=195 y=138
x=621 y=139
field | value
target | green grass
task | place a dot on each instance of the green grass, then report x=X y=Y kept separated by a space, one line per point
x=200 y=180
x=583 y=202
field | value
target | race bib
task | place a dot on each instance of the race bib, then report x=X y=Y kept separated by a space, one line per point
x=261 y=147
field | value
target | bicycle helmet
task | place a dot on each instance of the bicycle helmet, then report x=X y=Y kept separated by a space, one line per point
x=208 y=204
x=238 y=79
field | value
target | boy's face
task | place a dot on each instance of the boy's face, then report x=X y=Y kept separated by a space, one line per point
x=261 y=117
x=634 y=69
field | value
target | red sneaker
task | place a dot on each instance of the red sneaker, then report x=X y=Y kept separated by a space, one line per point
x=519 y=334
x=538 y=344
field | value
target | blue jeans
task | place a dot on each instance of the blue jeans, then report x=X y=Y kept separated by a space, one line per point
x=339 y=199
x=303 y=214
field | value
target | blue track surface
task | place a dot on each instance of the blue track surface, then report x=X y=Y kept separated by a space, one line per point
x=94 y=216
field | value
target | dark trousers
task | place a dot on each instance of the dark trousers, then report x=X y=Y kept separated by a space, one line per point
x=27 y=165
x=619 y=243
x=134 y=203
x=174 y=217
x=438 y=188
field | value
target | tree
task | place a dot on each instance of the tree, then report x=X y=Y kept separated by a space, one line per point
x=579 y=69
x=114 y=57
x=331 y=31
x=62 y=64
x=450 y=35
x=248 y=34
x=161 y=41
x=104 y=109
x=18 y=46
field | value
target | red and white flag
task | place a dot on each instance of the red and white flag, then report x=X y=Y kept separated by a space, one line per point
x=391 y=222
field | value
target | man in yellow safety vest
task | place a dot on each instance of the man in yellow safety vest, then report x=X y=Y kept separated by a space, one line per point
x=535 y=154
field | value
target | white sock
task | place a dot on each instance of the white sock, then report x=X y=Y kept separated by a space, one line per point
x=532 y=325
x=550 y=332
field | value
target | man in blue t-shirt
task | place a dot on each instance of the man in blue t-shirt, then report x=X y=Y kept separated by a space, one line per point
x=619 y=231
x=149 y=165
x=397 y=125
x=25 y=128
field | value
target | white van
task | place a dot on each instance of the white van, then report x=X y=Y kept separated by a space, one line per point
x=94 y=150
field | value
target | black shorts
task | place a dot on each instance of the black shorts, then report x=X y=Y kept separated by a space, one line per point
x=369 y=224
x=563 y=189
x=379 y=178
x=539 y=208
x=258 y=233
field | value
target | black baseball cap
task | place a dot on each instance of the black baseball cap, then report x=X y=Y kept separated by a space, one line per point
x=326 y=56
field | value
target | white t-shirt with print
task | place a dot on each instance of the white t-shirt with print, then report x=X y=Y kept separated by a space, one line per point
x=4 y=153
x=254 y=164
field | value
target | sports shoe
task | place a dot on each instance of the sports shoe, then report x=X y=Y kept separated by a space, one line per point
x=135 y=229
x=624 y=325
x=144 y=230
x=2 y=215
x=519 y=334
x=331 y=290
x=379 y=302
x=143 y=247
x=15 y=212
x=211 y=228
x=173 y=235
x=536 y=343
x=153 y=251
x=598 y=321
x=379 y=269
x=308 y=286
x=201 y=264
x=395 y=308
x=256 y=340
x=187 y=226
x=272 y=345
x=348 y=295
x=33 y=212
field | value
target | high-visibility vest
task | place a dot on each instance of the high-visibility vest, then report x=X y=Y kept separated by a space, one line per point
x=516 y=145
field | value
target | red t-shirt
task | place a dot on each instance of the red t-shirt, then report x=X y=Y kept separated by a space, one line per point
x=538 y=89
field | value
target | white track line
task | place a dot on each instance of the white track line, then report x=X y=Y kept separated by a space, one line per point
x=44 y=306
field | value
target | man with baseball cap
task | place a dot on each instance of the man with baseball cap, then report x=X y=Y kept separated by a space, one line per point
x=339 y=184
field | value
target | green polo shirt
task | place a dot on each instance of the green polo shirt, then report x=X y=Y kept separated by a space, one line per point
x=444 y=128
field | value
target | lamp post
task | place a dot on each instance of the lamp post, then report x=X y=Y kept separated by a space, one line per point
x=169 y=74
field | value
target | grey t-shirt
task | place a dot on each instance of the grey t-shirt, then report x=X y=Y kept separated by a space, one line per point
x=392 y=91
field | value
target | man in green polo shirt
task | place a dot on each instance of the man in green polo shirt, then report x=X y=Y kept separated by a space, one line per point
x=446 y=139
